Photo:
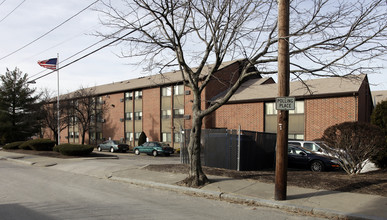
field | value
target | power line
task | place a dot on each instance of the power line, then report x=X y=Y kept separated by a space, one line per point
x=92 y=52
x=2 y=2
x=12 y=10
x=49 y=31
x=75 y=54
x=84 y=56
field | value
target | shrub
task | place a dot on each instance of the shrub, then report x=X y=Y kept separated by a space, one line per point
x=380 y=159
x=379 y=118
x=75 y=149
x=38 y=145
x=42 y=144
x=25 y=145
x=142 y=138
x=353 y=143
x=56 y=148
x=13 y=145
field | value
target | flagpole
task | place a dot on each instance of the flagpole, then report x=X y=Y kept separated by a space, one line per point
x=57 y=103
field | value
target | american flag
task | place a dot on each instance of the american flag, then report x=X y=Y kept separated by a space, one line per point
x=49 y=64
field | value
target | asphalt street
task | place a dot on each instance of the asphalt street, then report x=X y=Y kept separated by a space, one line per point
x=31 y=192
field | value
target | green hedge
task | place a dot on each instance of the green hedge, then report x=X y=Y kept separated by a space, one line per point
x=42 y=144
x=38 y=145
x=25 y=145
x=74 y=149
x=13 y=145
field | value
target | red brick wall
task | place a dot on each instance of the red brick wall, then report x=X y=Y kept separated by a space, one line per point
x=47 y=133
x=113 y=128
x=221 y=81
x=151 y=113
x=250 y=116
x=325 y=112
x=63 y=134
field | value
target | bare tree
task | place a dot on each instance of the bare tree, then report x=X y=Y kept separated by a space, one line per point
x=353 y=143
x=49 y=113
x=327 y=38
x=86 y=107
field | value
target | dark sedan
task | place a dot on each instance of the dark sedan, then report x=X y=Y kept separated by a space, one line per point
x=301 y=158
x=113 y=146
x=154 y=148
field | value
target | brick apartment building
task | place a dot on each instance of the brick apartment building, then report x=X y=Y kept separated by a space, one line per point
x=160 y=105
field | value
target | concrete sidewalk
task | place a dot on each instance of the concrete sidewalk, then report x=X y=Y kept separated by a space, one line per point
x=329 y=204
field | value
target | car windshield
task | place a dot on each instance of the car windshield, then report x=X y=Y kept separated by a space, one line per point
x=116 y=142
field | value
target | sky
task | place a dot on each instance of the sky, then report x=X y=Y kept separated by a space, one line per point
x=30 y=20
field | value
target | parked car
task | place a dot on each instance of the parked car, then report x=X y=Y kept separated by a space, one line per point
x=299 y=157
x=154 y=148
x=113 y=146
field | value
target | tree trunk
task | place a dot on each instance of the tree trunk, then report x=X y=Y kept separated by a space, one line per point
x=196 y=175
x=56 y=137
x=83 y=137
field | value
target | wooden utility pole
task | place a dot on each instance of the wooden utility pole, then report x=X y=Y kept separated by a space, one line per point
x=283 y=91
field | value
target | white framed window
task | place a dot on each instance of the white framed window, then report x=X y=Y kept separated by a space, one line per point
x=270 y=108
x=178 y=113
x=298 y=108
x=138 y=95
x=128 y=115
x=296 y=136
x=137 y=115
x=166 y=91
x=178 y=90
x=129 y=136
x=165 y=114
x=166 y=137
x=128 y=95
x=100 y=100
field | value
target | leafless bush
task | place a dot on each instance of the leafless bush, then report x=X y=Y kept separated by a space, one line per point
x=353 y=143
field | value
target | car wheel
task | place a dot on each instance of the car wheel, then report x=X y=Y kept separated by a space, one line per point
x=99 y=149
x=137 y=152
x=317 y=166
x=154 y=153
x=112 y=150
x=167 y=154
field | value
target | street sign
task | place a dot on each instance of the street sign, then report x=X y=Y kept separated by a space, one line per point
x=285 y=103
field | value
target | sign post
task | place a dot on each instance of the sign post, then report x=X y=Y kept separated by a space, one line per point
x=285 y=103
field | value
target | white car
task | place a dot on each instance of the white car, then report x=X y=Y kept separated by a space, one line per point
x=314 y=146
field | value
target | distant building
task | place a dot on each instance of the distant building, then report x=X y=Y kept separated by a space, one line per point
x=320 y=103
x=378 y=96
x=161 y=106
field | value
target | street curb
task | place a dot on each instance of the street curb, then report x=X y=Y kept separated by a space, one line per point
x=100 y=158
x=248 y=200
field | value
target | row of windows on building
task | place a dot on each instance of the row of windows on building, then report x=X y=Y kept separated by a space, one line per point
x=165 y=91
x=165 y=114
x=179 y=113
x=165 y=136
